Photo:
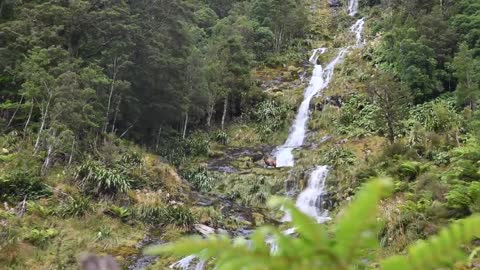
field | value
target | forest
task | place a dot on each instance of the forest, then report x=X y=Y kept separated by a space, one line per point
x=239 y=134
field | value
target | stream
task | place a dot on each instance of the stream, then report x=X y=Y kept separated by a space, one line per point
x=311 y=199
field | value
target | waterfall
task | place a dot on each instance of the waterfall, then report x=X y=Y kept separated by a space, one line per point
x=352 y=7
x=320 y=80
x=357 y=28
x=310 y=200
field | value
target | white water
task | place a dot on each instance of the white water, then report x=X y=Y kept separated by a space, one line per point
x=311 y=199
x=352 y=7
x=187 y=263
x=320 y=80
x=357 y=28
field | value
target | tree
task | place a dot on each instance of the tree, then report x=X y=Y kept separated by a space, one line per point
x=467 y=71
x=392 y=100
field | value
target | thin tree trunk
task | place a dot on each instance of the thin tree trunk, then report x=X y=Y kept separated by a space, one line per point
x=185 y=126
x=126 y=131
x=44 y=119
x=391 y=132
x=50 y=151
x=210 y=111
x=70 y=158
x=225 y=106
x=117 y=109
x=157 y=141
x=15 y=113
x=46 y=164
x=28 y=119
x=112 y=88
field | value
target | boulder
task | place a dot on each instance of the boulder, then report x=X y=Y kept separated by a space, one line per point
x=334 y=3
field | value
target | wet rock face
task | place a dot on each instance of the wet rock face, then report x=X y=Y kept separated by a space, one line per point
x=226 y=163
x=141 y=261
x=335 y=100
x=334 y=3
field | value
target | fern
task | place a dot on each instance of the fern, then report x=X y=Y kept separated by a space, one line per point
x=438 y=251
x=313 y=247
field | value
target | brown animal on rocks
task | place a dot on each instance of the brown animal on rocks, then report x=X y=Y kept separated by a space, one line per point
x=270 y=162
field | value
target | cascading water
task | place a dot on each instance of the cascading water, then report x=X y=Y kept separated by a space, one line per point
x=357 y=28
x=352 y=7
x=311 y=199
x=189 y=262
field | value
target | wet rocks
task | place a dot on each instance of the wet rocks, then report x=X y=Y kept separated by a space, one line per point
x=335 y=100
x=141 y=261
x=334 y=3
x=238 y=158
x=325 y=138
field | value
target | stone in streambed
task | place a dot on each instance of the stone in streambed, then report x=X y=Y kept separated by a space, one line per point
x=334 y=3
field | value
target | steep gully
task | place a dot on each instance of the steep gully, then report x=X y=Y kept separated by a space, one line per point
x=309 y=200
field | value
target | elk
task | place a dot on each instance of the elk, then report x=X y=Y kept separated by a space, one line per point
x=270 y=162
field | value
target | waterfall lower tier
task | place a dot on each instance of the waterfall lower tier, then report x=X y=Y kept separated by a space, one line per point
x=310 y=201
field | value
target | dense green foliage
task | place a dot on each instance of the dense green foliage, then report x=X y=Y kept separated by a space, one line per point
x=126 y=121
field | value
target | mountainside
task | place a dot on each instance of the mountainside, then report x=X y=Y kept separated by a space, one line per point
x=129 y=124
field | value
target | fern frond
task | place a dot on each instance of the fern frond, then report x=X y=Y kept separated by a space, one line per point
x=305 y=225
x=355 y=229
x=438 y=251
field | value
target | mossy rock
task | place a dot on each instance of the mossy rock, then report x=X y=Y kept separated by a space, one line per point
x=216 y=154
x=258 y=218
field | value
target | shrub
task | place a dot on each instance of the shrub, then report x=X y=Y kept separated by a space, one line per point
x=39 y=209
x=95 y=179
x=221 y=137
x=75 y=207
x=162 y=216
x=119 y=212
x=437 y=115
x=359 y=117
x=200 y=178
x=410 y=170
x=197 y=145
x=10 y=229
x=338 y=156
x=21 y=184
x=271 y=115
x=465 y=198
x=41 y=237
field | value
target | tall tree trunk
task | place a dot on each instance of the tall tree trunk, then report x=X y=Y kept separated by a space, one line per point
x=28 y=119
x=210 y=111
x=42 y=125
x=117 y=110
x=112 y=88
x=185 y=125
x=15 y=113
x=225 y=107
